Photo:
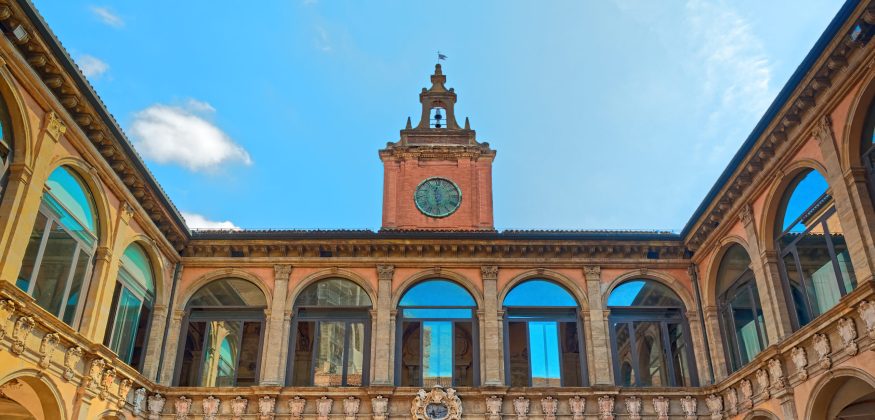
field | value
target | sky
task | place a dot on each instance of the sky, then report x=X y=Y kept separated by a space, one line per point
x=611 y=114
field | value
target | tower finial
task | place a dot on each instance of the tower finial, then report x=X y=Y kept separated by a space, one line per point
x=409 y=125
x=467 y=124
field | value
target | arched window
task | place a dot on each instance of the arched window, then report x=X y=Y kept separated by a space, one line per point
x=222 y=335
x=650 y=336
x=5 y=145
x=543 y=343
x=58 y=260
x=815 y=263
x=867 y=149
x=437 y=336
x=131 y=306
x=331 y=339
x=741 y=314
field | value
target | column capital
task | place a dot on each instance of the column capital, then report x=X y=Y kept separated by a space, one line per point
x=746 y=214
x=489 y=272
x=385 y=272
x=592 y=272
x=102 y=253
x=282 y=271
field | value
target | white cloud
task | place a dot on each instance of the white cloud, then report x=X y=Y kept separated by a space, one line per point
x=197 y=221
x=92 y=67
x=108 y=17
x=322 y=41
x=181 y=135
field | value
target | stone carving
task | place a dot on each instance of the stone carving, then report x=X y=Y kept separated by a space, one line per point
x=746 y=214
x=822 y=348
x=23 y=327
x=848 y=333
x=238 y=407
x=689 y=405
x=521 y=407
x=489 y=272
x=155 y=405
x=12 y=385
x=54 y=126
x=577 y=404
x=282 y=271
x=732 y=401
x=437 y=396
x=385 y=272
x=866 y=310
x=776 y=372
x=351 y=407
x=762 y=378
x=182 y=406
x=493 y=408
x=800 y=360
x=139 y=399
x=746 y=393
x=633 y=407
x=715 y=406
x=323 y=407
x=266 y=407
x=71 y=358
x=593 y=271
x=124 y=387
x=660 y=406
x=93 y=374
x=380 y=407
x=106 y=381
x=296 y=407
x=7 y=309
x=211 y=407
x=549 y=406
x=606 y=407
x=47 y=348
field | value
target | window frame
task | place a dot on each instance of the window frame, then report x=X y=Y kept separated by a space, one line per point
x=745 y=282
x=557 y=315
x=125 y=281
x=318 y=315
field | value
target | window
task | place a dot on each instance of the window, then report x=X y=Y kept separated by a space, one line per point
x=650 y=336
x=437 y=336
x=741 y=314
x=813 y=256
x=331 y=339
x=5 y=145
x=867 y=149
x=58 y=259
x=222 y=335
x=543 y=343
x=438 y=117
x=132 y=306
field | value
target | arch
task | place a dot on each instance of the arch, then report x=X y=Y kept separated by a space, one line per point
x=111 y=414
x=22 y=144
x=709 y=282
x=822 y=392
x=775 y=197
x=85 y=171
x=849 y=149
x=155 y=260
x=542 y=274
x=204 y=279
x=658 y=276
x=330 y=273
x=761 y=414
x=50 y=398
x=437 y=275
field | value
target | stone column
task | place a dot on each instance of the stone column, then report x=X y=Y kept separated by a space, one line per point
x=383 y=332
x=698 y=341
x=171 y=347
x=272 y=372
x=600 y=344
x=153 y=344
x=718 y=356
x=492 y=339
x=98 y=301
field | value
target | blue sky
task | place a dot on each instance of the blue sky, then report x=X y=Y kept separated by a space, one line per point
x=606 y=114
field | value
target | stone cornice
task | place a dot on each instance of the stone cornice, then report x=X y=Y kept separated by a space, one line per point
x=436 y=152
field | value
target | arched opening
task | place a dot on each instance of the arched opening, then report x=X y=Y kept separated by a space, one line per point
x=844 y=398
x=650 y=336
x=6 y=146
x=437 y=116
x=29 y=398
x=437 y=336
x=222 y=335
x=543 y=340
x=867 y=149
x=58 y=259
x=134 y=295
x=814 y=259
x=741 y=314
x=331 y=339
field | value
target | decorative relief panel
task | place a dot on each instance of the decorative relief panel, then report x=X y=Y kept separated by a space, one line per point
x=47 y=347
x=661 y=407
x=633 y=407
x=800 y=360
x=266 y=407
x=155 y=406
x=296 y=408
x=606 y=407
x=23 y=327
x=351 y=407
x=763 y=382
x=323 y=407
x=715 y=406
x=238 y=407
x=866 y=310
x=139 y=400
x=577 y=404
x=822 y=348
x=732 y=401
x=776 y=372
x=211 y=406
x=124 y=387
x=521 y=407
x=182 y=406
x=493 y=407
x=746 y=393
x=7 y=309
x=549 y=406
x=437 y=404
x=380 y=407
x=848 y=333
x=689 y=405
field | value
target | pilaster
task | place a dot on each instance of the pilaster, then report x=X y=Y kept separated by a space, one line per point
x=492 y=340
x=718 y=356
x=153 y=344
x=171 y=347
x=272 y=373
x=99 y=290
x=601 y=367
x=383 y=331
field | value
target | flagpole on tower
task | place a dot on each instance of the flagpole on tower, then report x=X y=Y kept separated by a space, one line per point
x=441 y=57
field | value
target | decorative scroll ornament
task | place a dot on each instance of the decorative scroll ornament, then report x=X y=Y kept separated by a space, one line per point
x=660 y=406
x=266 y=407
x=380 y=407
x=606 y=407
x=296 y=407
x=54 y=126
x=866 y=310
x=211 y=407
x=493 y=407
x=762 y=378
x=238 y=407
x=800 y=360
x=848 y=333
x=521 y=407
x=633 y=407
x=23 y=327
x=71 y=358
x=549 y=406
x=323 y=407
x=577 y=404
x=715 y=406
x=47 y=348
x=689 y=405
x=139 y=399
x=7 y=309
x=106 y=381
x=746 y=393
x=93 y=374
x=776 y=371
x=732 y=401
x=822 y=348
x=437 y=404
x=155 y=406
x=182 y=406
x=351 y=407
x=489 y=272
x=124 y=387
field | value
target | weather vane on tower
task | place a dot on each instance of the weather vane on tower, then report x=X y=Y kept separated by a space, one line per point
x=441 y=56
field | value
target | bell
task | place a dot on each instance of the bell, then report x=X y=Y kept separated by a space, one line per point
x=438 y=116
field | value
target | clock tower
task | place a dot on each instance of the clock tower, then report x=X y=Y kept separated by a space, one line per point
x=437 y=176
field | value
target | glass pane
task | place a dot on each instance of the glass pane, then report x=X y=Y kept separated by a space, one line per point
x=746 y=334
x=539 y=293
x=303 y=353
x=463 y=354
x=817 y=267
x=570 y=352
x=329 y=354
x=437 y=293
x=333 y=292
x=30 y=254
x=680 y=355
x=82 y=268
x=247 y=367
x=356 y=361
x=809 y=188
x=843 y=258
x=651 y=360
x=626 y=375
x=643 y=293
x=127 y=318
x=142 y=336
x=735 y=262
x=136 y=263
x=544 y=342
x=411 y=354
x=54 y=270
x=192 y=353
x=446 y=313
x=437 y=353
x=220 y=363
x=518 y=353
x=69 y=190
x=228 y=292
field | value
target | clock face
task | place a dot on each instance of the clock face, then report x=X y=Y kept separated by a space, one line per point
x=437 y=197
x=436 y=411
